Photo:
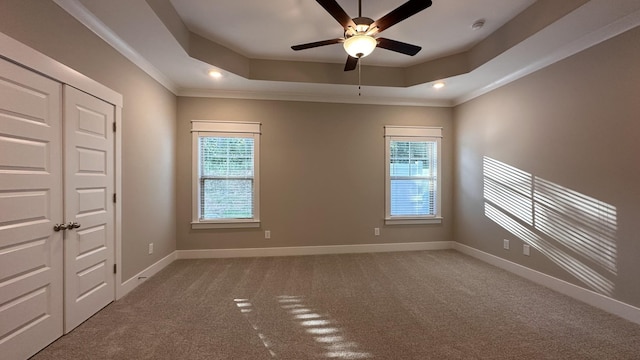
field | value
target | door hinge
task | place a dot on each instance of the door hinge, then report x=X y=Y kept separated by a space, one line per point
x=115 y=268
x=114 y=197
x=114 y=126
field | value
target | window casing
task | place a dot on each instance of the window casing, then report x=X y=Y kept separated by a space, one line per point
x=225 y=174
x=413 y=175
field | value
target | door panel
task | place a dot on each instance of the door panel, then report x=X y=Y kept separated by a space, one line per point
x=89 y=183
x=31 y=253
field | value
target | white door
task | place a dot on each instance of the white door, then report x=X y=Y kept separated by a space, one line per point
x=30 y=205
x=89 y=186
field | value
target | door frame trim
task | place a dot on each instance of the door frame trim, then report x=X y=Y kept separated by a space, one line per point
x=27 y=57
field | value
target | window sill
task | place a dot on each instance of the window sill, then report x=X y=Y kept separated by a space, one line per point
x=196 y=225
x=412 y=221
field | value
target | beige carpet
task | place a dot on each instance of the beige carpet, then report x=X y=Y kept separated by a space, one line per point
x=413 y=305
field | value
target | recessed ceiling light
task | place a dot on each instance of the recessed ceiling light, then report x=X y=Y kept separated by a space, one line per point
x=215 y=74
x=438 y=85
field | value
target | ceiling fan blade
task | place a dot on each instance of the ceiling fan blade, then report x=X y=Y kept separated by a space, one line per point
x=398 y=46
x=351 y=63
x=337 y=12
x=402 y=12
x=316 y=44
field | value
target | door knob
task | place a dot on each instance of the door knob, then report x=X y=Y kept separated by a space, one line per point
x=73 y=225
x=58 y=227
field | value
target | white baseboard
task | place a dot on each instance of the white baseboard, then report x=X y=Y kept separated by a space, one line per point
x=133 y=282
x=602 y=302
x=312 y=250
x=140 y=277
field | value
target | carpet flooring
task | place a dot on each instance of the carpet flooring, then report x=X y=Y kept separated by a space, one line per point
x=406 y=305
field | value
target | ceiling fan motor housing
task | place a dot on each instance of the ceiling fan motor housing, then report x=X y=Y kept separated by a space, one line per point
x=362 y=26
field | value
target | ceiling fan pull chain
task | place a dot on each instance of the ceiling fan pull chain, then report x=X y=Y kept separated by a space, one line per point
x=359 y=77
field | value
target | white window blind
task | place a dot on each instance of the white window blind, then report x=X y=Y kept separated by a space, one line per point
x=225 y=174
x=226 y=177
x=412 y=174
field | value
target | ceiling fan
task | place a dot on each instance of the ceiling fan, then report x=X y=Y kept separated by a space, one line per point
x=359 y=40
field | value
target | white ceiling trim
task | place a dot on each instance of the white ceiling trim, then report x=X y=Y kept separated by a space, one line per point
x=80 y=13
x=591 y=39
x=21 y=54
x=76 y=9
x=264 y=95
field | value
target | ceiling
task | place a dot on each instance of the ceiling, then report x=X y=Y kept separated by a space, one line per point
x=249 y=41
x=269 y=28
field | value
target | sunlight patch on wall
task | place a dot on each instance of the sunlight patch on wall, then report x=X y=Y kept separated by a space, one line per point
x=575 y=231
x=581 y=223
x=509 y=188
x=581 y=271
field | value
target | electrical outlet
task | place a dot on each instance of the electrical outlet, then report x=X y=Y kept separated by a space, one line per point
x=376 y=231
x=505 y=244
x=526 y=250
x=267 y=234
x=150 y=248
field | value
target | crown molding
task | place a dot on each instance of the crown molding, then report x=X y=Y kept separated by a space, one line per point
x=283 y=96
x=587 y=41
x=84 y=16
x=24 y=56
x=618 y=25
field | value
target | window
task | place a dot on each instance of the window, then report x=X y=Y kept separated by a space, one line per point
x=225 y=185
x=412 y=175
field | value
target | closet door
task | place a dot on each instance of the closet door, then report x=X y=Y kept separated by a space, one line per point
x=89 y=186
x=30 y=205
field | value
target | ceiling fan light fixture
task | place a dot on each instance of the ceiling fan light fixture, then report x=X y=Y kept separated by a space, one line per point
x=359 y=46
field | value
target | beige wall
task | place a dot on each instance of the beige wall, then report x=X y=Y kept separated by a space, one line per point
x=574 y=124
x=322 y=173
x=149 y=129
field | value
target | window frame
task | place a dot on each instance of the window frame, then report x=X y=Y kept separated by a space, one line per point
x=412 y=133
x=213 y=128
